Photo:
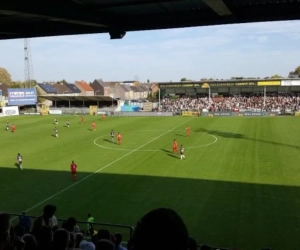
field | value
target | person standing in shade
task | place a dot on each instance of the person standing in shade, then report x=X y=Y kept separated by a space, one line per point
x=25 y=222
x=90 y=226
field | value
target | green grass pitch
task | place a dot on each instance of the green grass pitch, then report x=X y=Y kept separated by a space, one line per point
x=237 y=187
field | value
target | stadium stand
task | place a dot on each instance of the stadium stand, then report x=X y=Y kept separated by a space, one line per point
x=73 y=88
x=161 y=229
x=48 y=88
x=272 y=101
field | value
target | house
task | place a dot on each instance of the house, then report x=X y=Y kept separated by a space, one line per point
x=100 y=87
x=112 y=88
x=46 y=89
x=62 y=89
x=122 y=92
x=143 y=92
x=154 y=88
x=130 y=92
x=76 y=91
x=136 y=93
x=146 y=90
x=85 y=88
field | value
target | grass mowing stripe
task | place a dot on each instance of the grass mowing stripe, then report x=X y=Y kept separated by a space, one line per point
x=100 y=169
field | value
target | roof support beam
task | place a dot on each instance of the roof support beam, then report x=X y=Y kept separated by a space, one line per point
x=218 y=6
x=66 y=13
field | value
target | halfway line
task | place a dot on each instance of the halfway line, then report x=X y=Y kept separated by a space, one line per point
x=100 y=169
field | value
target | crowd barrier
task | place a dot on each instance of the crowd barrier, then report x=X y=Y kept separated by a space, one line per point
x=125 y=230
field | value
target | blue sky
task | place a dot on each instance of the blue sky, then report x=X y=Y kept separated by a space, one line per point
x=256 y=49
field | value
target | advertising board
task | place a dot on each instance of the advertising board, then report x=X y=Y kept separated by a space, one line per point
x=290 y=83
x=243 y=113
x=10 y=111
x=22 y=96
x=55 y=112
x=268 y=83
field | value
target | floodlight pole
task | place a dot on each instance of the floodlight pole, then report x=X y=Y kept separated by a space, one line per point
x=158 y=97
x=265 y=90
x=209 y=98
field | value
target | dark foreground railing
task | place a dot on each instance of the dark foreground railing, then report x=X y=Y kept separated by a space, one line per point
x=125 y=230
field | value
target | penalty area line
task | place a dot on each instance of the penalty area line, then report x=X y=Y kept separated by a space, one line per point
x=100 y=169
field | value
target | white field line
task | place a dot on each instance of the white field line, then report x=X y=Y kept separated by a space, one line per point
x=100 y=169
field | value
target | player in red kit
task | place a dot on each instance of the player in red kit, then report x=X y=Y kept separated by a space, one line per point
x=175 y=147
x=74 y=170
x=119 y=137
x=13 y=128
x=93 y=126
x=188 y=131
x=103 y=117
x=82 y=120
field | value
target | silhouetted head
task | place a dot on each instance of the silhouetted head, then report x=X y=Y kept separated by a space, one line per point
x=160 y=229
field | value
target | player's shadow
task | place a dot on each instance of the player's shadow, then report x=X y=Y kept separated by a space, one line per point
x=180 y=135
x=89 y=129
x=107 y=140
x=221 y=133
x=166 y=151
x=16 y=165
x=66 y=126
x=53 y=135
x=172 y=155
x=241 y=136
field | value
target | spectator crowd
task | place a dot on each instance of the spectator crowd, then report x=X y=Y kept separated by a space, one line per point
x=271 y=102
x=160 y=229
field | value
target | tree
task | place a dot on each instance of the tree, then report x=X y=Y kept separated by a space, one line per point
x=17 y=84
x=276 y=76
x=297 y=70
x=183 y=79
x=40 y=99
x=5 y=77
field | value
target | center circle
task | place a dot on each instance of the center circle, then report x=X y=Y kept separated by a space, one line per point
x=153 y=150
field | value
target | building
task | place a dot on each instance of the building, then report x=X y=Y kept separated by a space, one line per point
x=62 y=89
x=130 y=92
x=154 y=88
x=100 y=87
x=85 y=88
x=46 y=89
x=122 y=92
x=76 y=91
x=136 y=93
x=112 y=88
x=143 y=91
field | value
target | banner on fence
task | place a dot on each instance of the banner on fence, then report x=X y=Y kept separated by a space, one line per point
x=22 y=96
x=189 y=113
x=290 y=83
x=93 y=110
x=55 y=112
x=10 y=111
